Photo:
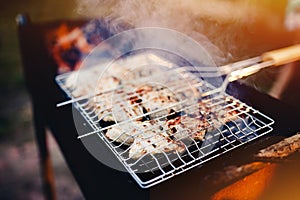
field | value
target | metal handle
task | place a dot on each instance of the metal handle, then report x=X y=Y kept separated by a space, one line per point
x=283 y=56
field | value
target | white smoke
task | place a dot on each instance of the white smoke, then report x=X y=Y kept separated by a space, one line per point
x=174 y=14
x=229 y=30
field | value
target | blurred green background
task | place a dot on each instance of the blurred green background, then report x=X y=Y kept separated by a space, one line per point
x=13 y=95
x=19 y=165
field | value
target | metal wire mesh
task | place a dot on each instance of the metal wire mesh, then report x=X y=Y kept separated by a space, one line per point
x=236 y=126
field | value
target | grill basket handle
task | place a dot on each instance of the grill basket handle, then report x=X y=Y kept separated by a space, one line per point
x=283 y=56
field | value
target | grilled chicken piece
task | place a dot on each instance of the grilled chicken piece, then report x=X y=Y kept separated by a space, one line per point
x=123 y=134
x=184 y=127
x=143 y=138
x=83 y=82
x=95 y=79
x=145 y=102
x=87 y=82
x=191 y=122
x=155 y=98
x=101 y=103
x=153 y=141
x=196 y=121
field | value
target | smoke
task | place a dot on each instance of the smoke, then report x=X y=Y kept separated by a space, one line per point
x=229 y=30
x=174 y=14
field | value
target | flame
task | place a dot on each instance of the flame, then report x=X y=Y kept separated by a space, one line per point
x=61 y=42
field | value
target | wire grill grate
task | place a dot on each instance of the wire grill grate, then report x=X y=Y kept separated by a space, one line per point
x=242 y=125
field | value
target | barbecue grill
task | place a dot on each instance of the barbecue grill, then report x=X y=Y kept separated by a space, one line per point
x=243 y=125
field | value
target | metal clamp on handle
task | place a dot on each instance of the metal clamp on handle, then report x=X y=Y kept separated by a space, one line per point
x=272 y=58
x=283 y=56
